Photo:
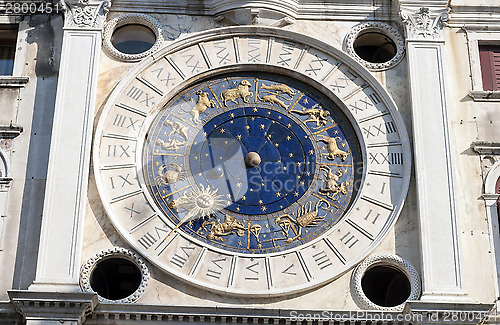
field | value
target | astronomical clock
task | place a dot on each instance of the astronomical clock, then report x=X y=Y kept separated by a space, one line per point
x=251 y=161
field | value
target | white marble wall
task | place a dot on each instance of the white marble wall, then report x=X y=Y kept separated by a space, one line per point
x=403 y=239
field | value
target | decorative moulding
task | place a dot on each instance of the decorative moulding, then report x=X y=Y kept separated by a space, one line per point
x=485 y=95
x=125 y=19
x=379 y=27
x=384 y=260
x=424 y=24
x=83 y=14
x=10 y=81
x=53 y=306
x=90 y=264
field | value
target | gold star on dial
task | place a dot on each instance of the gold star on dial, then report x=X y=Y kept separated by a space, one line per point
x=288 y=137
x=262 y=126
x=260 y=202
x=238 y=137
x=311 y=152
x=278 y=194
x=263 y=209
x=255 y=109
x=247 y=127
x=222 y=130
x=290 y=155
x=296 y=194
x=231 y=115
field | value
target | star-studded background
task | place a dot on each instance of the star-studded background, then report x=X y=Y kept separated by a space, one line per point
x=196 y=162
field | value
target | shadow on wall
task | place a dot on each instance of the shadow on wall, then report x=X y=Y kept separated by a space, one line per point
x=46 y=36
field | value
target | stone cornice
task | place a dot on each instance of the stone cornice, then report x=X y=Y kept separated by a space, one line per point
x=85 y=14
x=10 y=131
x=486 y=148
x=53 y=306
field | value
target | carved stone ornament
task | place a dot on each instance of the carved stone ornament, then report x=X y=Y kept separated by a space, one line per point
x=89 y=266
x=384 y=260
x=85 y=13
x=125 y=19
x=377 y=27
x=424 y=24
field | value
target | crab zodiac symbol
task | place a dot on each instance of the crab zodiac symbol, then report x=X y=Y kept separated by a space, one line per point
x=306 y=217
x=174 y=174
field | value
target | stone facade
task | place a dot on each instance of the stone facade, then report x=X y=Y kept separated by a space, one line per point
x=57 y=223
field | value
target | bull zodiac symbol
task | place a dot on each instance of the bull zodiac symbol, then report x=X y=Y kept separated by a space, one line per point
x=306 y=217
x=200 y=107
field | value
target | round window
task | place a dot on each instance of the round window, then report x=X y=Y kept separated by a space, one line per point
x=386 y=286
x=375 y=47
x=385 y=282
x=133 y=39
x=115 y=278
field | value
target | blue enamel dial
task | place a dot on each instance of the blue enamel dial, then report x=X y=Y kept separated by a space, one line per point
x=251 y=164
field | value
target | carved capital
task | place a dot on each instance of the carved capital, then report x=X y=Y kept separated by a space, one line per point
x=85 y=13
x=423 y=24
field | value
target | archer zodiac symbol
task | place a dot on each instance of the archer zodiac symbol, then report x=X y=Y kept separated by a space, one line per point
x=315 y=114
x=306 y=217
x=201 y=106
x=332 y=148
x=172 y=175
x=173 y=145
x=226 y=228
x=332 y=188
x=177 y=128
x=241 y=91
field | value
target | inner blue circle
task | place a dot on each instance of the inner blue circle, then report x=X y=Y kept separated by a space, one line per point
x=286 y=170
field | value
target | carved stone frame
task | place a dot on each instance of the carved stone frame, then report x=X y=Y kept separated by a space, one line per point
x=89 y=266
x=384 y=260
x=132 y=18
x=382 y=28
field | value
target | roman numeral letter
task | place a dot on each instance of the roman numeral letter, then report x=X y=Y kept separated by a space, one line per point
x=322 y=260
x=349 y=241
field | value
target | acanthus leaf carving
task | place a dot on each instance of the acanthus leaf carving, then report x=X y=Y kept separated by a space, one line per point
x=424 y=24
x=85 y=13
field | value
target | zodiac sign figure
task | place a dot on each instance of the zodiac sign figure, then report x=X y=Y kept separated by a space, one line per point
x=280 y=88
x=177 y=128
x=173 y=145
x=218 y=229
x=273 y=100
x=332 y=148
x=241 y=91
x=200 y=107
x=306 y=217
x=172 y=175
x=315 y=114
x=332 y=187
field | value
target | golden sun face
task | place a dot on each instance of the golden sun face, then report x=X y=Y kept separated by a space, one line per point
x=199 y=203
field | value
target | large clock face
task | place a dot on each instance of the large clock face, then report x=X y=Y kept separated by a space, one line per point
x=251 y=165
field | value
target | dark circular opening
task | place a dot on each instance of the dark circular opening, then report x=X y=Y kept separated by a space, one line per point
x=133 y=38
x=115 y=278
x=375 y=47
x=386 y=286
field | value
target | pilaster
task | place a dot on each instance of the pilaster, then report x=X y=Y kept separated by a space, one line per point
x=441 y=267
x=68 y=170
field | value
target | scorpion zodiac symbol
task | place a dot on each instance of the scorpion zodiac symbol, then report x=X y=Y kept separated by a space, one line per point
x=306 y=217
